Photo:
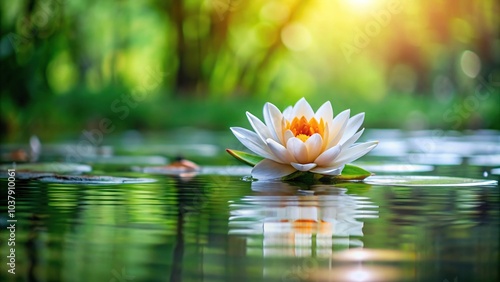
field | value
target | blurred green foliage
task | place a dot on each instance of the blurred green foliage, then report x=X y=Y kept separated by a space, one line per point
x=155 y=65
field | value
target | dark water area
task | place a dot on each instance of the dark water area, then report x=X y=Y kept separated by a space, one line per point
x=219 y=226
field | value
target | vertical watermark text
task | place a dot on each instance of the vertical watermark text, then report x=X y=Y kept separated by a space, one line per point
x=11 y=221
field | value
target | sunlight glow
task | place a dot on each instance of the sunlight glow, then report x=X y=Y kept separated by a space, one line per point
x=360 y=3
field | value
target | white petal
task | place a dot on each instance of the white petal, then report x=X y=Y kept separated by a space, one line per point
x=326 y=135
x=304 y=167
x=350 y=154
x=314 y=145
x=298 y=149
x=288 y=135
x=274 y=121
x=328 y=170
x=352 y=126
x=259 y=127
x=338 y=126
x=287 y=113
x=302 y=108
x=328 y=156
x=280 y=151
x=268 y=169
x=325 y=112
x=250 y=140
x=353 y=139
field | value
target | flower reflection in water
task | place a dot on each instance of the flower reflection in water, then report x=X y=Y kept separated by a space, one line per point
x=313 y=234
x=300 y=223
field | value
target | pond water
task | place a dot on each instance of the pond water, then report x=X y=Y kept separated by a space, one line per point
x=219 y=226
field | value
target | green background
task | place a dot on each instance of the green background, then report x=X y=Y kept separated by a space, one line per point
x=158 y=65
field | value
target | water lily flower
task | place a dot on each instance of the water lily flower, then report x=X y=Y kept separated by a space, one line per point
x=300 y=139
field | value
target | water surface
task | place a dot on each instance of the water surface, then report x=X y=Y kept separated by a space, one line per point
x=218 y=227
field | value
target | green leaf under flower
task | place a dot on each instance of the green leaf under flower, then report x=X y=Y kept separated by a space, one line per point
x=349 y=173
x=247 y=158
x=352 y=172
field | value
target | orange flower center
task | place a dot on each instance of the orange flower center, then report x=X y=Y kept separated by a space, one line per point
x=303 y=129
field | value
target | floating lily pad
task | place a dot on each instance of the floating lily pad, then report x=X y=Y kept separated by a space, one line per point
x=204 y=170
x=428 y=181
x=86 y=179
x=76 y=179
x=48 y=167
x=401 y=168
x=26 y=175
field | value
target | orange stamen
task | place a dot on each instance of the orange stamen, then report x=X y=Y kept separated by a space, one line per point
x=303 y=129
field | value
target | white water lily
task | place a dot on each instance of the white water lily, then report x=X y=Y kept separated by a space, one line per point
x=300 y=139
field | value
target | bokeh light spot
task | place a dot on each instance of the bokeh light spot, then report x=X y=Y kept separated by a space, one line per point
x=61 y=73
x=296 y=37
x=470 y=63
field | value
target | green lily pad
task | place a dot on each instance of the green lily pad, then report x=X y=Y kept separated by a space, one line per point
x=247 y=158
x=305 y=176
x=395 y=167
x=48 y=167
x=75 y=179
x=27 y=175
x=350 y=172
x=91 y=179
x=428 y=181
